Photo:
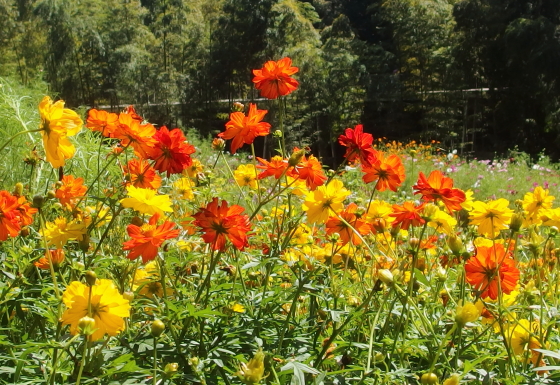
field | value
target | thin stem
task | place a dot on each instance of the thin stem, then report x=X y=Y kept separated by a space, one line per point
x=16 y=135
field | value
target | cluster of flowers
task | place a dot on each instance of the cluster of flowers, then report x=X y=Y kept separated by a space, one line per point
x=444 y=213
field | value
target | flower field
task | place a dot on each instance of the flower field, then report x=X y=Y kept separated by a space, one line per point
x=133 y=254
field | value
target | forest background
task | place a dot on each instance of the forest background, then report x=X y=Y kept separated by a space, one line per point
x=479 y=76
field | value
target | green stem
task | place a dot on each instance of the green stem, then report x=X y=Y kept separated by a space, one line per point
x=154 y=378
x=16 y=135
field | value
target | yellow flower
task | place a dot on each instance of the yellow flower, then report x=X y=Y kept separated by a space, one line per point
x=302 y=235
x=108 y=307
x=551 y=217
x=57 y=123
x=147 y=281
x=298 y=186
x=534 y=203
x=324 y=201
x=246 y=175
x=182 y=188
x=491 y=217
x=380 y=210
x=522 y=337
x=238 y=308
x=443 y=222
x=467 y=312
x=252 y=372
x=468 y=203
x=194 y=169
x=60 y=231
x=146 y=201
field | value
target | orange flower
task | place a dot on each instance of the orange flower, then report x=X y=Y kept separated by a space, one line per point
x=275 y=167
x=436 y=186
x=407 y=215
x=492 y=268
x=102 y=121
x=146 y=239
x=9 y=216
x=309 y=170
x=132 y=133
x=139 y=173
x=335 y=225
x=220 y=221
x=388 y=172
x=71 y=191
x=172 y=152
x=25 y=211
x=359 y=145
x=57 y=257
x=274 y=79
x=244 y=129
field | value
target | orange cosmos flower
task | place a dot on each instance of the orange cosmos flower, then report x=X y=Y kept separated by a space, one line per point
x=388 y=172
x=57 y=257
x=244 y=129
x=407 y=215
x=219 y=221
x=275 y=167
x=274 y=79
x=139 y=173
x=359 y=145
x=310 y=170
x=71 y=191
x=146 y=239
x=102 y=121
x=492 y=268
x=9 y=216
x=25 y=211
x=130 y=110
x=172 y=152
x=335 y=225
x=132 y=133
x=437 y=186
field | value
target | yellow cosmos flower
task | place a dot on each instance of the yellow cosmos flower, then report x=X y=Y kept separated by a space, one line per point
x=146 y=201
x=148 y=282
x=238 y=308
x=466 y=312
x=380 y=210
x=551 y=217
x=469 y=199
x=182 y=188
x=522 y=337
x=246 y=175
x=108 y=307
x=537 y=200
x=443 y=222
x=57 y=123
x=491 y=217
x=194 y=169
x=60 y=231
x=325 y=201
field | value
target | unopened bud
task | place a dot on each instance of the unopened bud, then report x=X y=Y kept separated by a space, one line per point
x=385 y=276
x=91 y=277
x=137 y=221
x=83 y=243
x=379 y=225
x=86 y=326
x=516 y=222
x=24 y=231
x=455 y=244
x=38 y=201
x=218 y=144
x=128 y=295
x=252 y=372
x=466 y=313
x=171 y=369
x=238 y=107
x=157 y=328
x=277 y=134
x=295 y=158
x=414 y=243
x=18 y=189
x=454 y=379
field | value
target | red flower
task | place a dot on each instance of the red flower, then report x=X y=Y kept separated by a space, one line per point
x=492 y=268
x=71 y=191
x=436 y=186
x=102 y=121
x=148 y=238
x=139 y=173
x=220 y=221
x=335 y=225
x=388 y=172
x=407 y=215
x=172 y=152
x=274 y=79
x=275 y=167
x=359 y=145
x=244 y=129
x=309 y=170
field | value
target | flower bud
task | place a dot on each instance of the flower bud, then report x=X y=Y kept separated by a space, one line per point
x=128 y=295
x=252 y=372
x=429 y=378
x=516 y=222
x=277 y=134
x=218 y=144
x=24 y=232
x=91 y=277
x=453 y=379
x=157 y=328
x=385 y=276
x=295 y=158
x=38 y=201
x=455 y=244
x=429 y=211
x=83 y=243
x=86 y=326
x=238 y=107
x=137 y=221
x=171 y=369
x=414 y=243
x=18 y=189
